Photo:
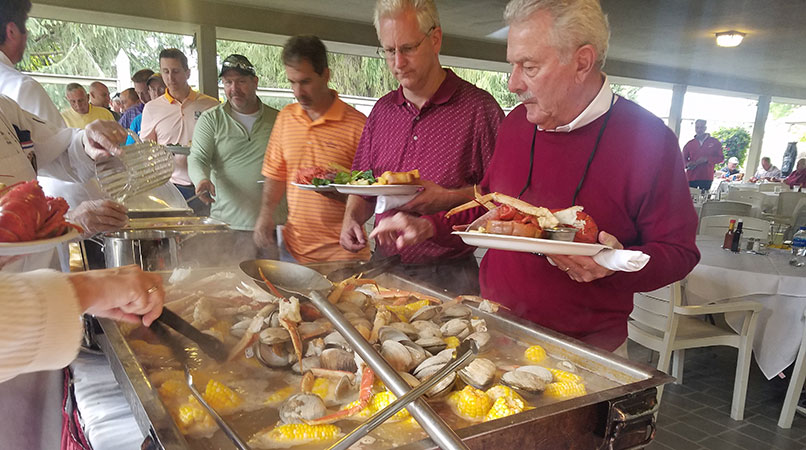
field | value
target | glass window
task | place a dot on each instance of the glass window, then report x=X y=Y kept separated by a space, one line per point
x=656 y=100
x=786 y=123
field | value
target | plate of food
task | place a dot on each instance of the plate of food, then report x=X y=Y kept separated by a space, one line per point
x=318 y=178
x=514 y=225
x=30 y=221
x=389 y=183
x=315 y=188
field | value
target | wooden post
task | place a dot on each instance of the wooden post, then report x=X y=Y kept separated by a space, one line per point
x=208 y=66
x=754 y=153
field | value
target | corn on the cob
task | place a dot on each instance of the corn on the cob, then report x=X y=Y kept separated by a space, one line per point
x=192 y=413
x=535 y=353
x=173 y=390
x=471 y=403
x=279 y=395
x=382 y=400
x=564 y=389
x=404 y=312
x=451 y=341
x=503 y=407
x=221 y=398
x=365 y=413
x=141 y=347
x=562 y=375
x=320 y=387
x=500 y=390
x=294 y=434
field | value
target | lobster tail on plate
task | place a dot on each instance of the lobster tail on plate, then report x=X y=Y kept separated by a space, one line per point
x=27 y=214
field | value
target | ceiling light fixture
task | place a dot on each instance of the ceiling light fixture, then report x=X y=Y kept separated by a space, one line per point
x=730 y=38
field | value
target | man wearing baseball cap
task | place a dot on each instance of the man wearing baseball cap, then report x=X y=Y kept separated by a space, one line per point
x=227 y=150
x=731 y=170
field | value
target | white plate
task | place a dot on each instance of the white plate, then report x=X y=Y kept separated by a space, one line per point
x=24 y=248
x=377 y=189
x=529 y=245
x=310 y=187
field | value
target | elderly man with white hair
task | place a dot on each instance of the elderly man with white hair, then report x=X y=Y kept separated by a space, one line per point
x=573 y=142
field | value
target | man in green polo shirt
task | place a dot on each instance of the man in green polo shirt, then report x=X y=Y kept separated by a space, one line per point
x=227 y=151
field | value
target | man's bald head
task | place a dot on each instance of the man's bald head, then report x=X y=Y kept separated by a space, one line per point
x=99 y=94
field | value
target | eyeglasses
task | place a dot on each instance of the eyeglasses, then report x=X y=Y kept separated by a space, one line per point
x=406 y=50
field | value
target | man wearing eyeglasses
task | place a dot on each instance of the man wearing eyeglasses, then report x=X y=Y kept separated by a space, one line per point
x=228 y=146
x=434 y=122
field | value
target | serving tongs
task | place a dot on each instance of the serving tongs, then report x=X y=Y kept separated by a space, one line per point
x=207 y=343
x=218 y=419
x=179 y=351
x=465 y=353
x=308 y=283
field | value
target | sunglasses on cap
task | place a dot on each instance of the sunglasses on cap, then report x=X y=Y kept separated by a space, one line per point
x=238 y=63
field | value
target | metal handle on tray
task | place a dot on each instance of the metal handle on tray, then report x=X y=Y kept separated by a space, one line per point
x=633 y=415
x=221 y=423
x=437 y=429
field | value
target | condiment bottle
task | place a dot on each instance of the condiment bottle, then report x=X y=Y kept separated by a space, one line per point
x=737 y=237
x=729 y=235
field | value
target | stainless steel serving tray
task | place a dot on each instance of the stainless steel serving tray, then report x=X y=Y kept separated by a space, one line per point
x=191 y=223
x=618 y=417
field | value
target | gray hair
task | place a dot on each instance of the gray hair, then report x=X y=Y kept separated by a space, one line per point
x=427 y=14
x=576 y=23
x=74 y=87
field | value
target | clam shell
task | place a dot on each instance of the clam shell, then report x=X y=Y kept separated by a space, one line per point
x=427 y=329
x=301 y=407
x=407 y=328
x=307 y=363
x=427 y=312
x=337 y=359
x=267 y=355
x=482 y=338
x=336 y=340
x=457 y=311
x=541 y=372
x=418 y=354
x=443 y=387
x=387 y=333
x=397 y=355
x=456 y=327
x=440 y=359
x=523 y=381
x=480 y=373
x=432 y=344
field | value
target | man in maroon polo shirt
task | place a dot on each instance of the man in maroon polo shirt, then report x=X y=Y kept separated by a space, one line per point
x=634 y=186
x=434 y=122
x=700 y=154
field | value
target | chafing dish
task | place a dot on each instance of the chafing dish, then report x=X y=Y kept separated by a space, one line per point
x=618 y=413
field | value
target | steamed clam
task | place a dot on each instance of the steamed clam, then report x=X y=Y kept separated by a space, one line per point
x=480 y=373
x=524 y=381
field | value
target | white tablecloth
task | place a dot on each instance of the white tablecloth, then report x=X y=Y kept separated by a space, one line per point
x=767 y=279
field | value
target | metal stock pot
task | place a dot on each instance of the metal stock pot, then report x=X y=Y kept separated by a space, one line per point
x=165 y=243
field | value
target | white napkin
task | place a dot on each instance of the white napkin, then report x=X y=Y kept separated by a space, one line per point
x=619 y=260
x=386 y=202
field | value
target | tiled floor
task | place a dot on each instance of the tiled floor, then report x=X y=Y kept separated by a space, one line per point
x=696 y=414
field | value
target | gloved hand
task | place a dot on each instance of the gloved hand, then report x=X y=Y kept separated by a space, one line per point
x=96 y=216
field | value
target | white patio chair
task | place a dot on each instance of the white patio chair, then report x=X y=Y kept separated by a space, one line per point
x=754 y=198
x=661 y=323
x=795 y=386
x=751 y=228
x=712 y=208
x=787 y=202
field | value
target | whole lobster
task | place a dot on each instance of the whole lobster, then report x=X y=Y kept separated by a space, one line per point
x=27 y=214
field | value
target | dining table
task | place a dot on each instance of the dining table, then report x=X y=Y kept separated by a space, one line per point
x=769 y=279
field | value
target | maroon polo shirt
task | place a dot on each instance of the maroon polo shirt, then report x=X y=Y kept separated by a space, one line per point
x=450 y=140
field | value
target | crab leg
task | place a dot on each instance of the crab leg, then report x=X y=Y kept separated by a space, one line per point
x=250 y=336
x=291 y=327
x=483 y=200
x=365 y=395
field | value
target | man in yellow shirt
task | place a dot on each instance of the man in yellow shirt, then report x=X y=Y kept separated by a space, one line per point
x=319 y=130
x=81 y=112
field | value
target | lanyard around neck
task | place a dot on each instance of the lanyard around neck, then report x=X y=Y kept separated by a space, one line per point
x=590 y=158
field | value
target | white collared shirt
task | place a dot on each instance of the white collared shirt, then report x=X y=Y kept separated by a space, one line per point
x=597 y=108
x=28 y=93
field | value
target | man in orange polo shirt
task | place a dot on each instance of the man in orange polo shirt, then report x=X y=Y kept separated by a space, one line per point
x=318 y=130
x=171 y=118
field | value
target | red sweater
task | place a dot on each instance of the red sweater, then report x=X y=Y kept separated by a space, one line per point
x=711 y=148
x=636 y=189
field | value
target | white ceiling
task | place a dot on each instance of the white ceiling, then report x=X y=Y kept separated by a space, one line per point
x=661 y=40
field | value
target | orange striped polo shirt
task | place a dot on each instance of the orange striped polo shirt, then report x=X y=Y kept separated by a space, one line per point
x=314 y=221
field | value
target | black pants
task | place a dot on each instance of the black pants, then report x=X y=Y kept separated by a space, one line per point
x=701 y=184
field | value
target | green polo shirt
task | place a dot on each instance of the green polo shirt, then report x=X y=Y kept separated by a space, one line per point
x=231 y=156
